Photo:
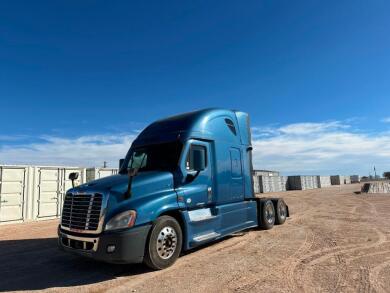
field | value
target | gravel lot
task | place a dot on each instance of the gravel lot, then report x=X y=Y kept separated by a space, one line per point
x=334 y=241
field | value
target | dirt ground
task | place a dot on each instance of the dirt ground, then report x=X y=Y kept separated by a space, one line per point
x=334 y=241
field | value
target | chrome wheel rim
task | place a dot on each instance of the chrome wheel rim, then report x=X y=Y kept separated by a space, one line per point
x=269 y=213
x=166 y=242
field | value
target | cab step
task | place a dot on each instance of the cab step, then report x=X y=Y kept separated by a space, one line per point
x=206 y=237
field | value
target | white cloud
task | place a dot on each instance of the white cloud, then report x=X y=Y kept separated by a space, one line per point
x=311 y=128
x=321 y=148
x=386 y=120
x=82 y=151
x=302 y=148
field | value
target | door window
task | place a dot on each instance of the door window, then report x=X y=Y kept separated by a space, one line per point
x=190 y=156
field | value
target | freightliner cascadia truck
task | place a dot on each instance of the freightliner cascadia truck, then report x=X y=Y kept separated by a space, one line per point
x=185 y=181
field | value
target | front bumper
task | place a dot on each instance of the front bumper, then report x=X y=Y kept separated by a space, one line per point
x=129 y=244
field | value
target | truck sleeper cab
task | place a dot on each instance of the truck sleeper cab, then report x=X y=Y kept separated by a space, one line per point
x=185 y=181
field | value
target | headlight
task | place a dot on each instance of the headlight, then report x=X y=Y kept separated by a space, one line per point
x=122 y=220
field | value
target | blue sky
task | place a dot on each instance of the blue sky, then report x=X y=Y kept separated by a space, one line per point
x=78 y=79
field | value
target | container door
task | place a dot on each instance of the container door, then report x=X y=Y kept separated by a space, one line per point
x=105 y=173
x=49 y=186
x=237 y=180
x=12 y=182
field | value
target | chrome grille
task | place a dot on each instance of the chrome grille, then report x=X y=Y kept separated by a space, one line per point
x=82 y=211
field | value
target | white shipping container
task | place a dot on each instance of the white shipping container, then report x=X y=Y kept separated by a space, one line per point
x=50 y=186
x=323 y=181
x=97 y=173
x=13 y=185
x=272 y=184
x=34 y=193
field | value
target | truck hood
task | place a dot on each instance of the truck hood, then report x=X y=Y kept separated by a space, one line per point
x=143 y=184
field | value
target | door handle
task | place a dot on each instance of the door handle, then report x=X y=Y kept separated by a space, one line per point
x=3 y=201
x=209 y=193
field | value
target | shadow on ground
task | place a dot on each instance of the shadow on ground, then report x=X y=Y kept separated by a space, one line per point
x=35 y=264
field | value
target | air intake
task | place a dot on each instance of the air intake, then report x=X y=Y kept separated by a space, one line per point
x=82 y=211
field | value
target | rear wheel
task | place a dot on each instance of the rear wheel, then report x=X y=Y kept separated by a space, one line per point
x=164 y=244
x=267 y=214
x=281 y=212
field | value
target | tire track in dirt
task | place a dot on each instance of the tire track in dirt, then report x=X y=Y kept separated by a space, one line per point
x=290 y=266
x=339 y=254
x=375 y=273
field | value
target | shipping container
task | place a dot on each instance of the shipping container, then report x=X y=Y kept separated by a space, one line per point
x=34 y=193
x=272 y=183
x=13 y=186
x=96 y=173
x=340 y=179
x=347 y=179
x=323 y=181
x=256 y=184
x=336 y=180
x=50 y=186
x=302 y=182
x=355 y=179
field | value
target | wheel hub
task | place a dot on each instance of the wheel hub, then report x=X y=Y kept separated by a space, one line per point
x=269 y=214
x=166 y=242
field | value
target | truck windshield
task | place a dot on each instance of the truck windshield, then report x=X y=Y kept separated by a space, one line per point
x=156 y=157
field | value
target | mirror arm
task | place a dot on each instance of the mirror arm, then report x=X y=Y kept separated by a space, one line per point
x=192 y=177
x=128 y=191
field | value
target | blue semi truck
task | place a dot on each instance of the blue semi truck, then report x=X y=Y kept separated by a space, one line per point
x=186 y=181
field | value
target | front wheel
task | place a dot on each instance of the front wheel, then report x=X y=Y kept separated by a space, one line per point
x=164 y=244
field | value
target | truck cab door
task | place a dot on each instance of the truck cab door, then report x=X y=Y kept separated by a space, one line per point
x=196 y=189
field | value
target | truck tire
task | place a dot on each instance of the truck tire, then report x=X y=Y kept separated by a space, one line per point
x=267 y=214
x=164 y=243
x=281 y=212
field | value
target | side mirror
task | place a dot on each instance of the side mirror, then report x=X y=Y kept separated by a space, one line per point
x=121 y=163
x=73 y=176
x=199 y=160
